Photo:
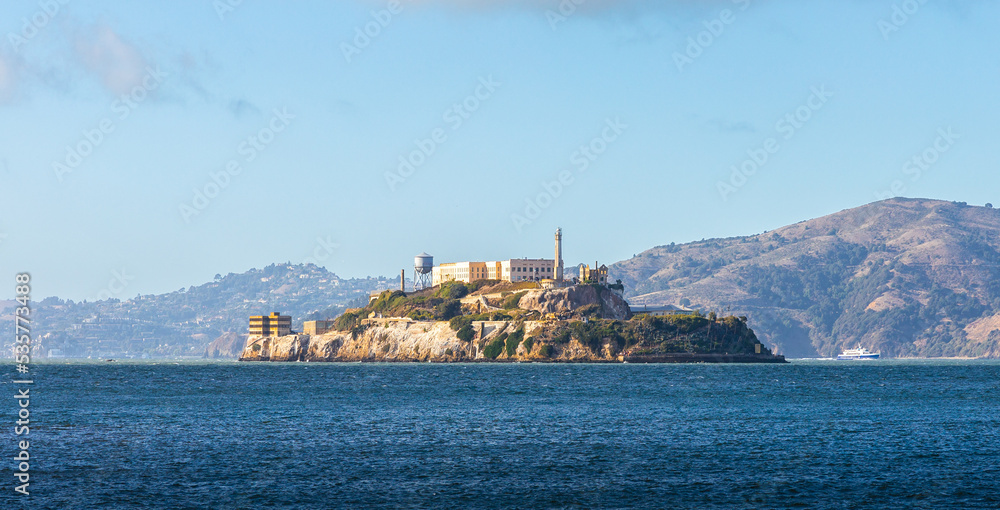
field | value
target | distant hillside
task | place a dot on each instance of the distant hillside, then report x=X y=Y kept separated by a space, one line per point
x=185 y=322
x=909 y=277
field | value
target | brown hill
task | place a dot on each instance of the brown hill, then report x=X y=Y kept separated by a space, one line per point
x=910 y=277
x=228 y=345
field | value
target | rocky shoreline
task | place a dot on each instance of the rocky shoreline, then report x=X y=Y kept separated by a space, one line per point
x=403 y=341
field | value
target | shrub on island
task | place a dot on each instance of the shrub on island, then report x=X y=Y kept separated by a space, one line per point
x=466 y=334
x=545 y=351
x=494 y=348
x=513 y=341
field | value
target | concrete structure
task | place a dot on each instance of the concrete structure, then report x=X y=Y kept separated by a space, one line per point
x=514 y=270
x=596 y=275
x=271 y=325
x=659 y=311
x=317 y=327
x=559 y=260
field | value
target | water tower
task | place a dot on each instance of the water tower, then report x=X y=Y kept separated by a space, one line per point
x=423 y=267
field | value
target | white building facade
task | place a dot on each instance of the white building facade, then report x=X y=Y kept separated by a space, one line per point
x=514 y=270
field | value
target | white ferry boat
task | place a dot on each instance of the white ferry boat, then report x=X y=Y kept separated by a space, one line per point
x=859 y=353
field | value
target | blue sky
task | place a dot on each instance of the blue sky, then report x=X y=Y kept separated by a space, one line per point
x=619 y=121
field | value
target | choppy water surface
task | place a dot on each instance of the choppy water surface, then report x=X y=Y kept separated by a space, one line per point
x=819 y=434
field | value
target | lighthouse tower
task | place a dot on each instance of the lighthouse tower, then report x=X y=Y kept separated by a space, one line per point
x=559 y=259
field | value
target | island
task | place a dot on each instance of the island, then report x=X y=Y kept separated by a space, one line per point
x=504 y=321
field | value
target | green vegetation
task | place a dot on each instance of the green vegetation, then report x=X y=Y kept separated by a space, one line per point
x=693 y=333
x=563 y=338
x=458 y=290
x=594 y=333
x=466 y=334
x=350 y=320
x=513 y=341
x=528 y=343
x=421 y=315
x=440 y=305
x=510 y=303
x=452 y=290
x=494 y=348
x=388 y=301
x=457 y=323
x=449 y=309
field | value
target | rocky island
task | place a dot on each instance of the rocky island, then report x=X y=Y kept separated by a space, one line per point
x=492 y=321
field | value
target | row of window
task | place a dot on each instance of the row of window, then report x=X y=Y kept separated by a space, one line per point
x=528 y=269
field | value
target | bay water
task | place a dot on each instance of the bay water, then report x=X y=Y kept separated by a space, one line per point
x=808 y=434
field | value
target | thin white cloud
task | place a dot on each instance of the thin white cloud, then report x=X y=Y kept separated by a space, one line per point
x=117 y=63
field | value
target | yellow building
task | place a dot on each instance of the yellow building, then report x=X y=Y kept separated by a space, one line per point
x=317 y=327
x=463 y=272
x=271 y=325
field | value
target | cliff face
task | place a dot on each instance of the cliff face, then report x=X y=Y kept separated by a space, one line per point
x=285 y=348
x=679 y=339
x=392 y=341
x=609 y=305
x=405 y=341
